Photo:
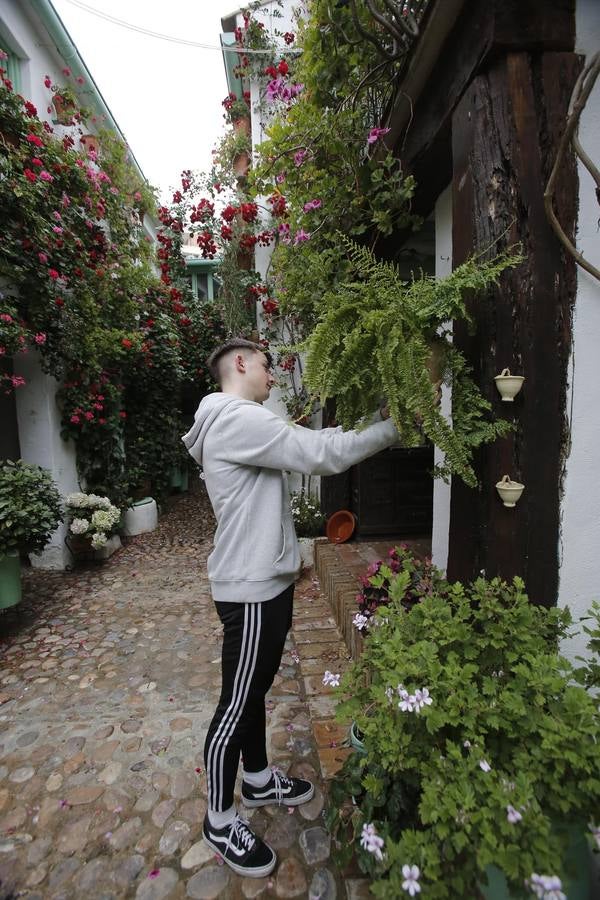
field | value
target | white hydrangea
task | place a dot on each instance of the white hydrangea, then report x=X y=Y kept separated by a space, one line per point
x=99 y=539
x=79 y=526
x=80 y=500
x=77 y=500
x=105 y=519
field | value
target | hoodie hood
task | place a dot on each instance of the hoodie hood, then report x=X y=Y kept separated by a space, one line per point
x=209 y=410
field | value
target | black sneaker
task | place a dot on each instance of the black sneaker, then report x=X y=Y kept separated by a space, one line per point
x=240 y=848
x=279 y=790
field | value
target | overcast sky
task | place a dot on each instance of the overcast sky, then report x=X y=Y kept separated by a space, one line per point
x=166 y=97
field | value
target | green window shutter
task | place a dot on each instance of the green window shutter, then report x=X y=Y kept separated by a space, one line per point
x=12 y=67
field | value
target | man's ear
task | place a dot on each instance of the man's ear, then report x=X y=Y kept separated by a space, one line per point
x=240 y=363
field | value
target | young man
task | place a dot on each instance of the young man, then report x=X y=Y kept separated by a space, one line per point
x=243 y=448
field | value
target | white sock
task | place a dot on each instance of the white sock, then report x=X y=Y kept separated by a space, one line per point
x=221 y=819
x=258 y=779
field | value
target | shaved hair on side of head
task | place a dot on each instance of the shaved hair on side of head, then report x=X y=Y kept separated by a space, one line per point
x=218 y=356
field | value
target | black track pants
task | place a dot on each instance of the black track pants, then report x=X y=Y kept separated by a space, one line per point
x=253 y=640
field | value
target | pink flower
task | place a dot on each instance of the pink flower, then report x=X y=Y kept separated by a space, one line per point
x=300 y=156
x=279 y=179
x=40 y=338
x=46 y=176
x=89 y=415
x=154 y=873
x=43 y=258
x=75 y=420
x=301 y=235
x=4 y=317
x=57 y=229
x=48 y=81
x=66 y=71
x=53 y=274
x=284 y=232
x=376 y=133
x=17 y=380
x=56 y=215
x=312 y=204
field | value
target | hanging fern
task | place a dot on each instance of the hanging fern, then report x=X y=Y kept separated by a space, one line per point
x=374 y=338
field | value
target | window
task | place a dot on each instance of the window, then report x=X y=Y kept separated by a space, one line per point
x=12 y=67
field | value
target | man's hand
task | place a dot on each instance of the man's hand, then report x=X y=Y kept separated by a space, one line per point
x=384 y=411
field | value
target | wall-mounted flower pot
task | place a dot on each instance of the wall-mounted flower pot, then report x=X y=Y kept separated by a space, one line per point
x=10 y=581
x=508 y=385
x=65 y=109
x=510 y=491
x=242 y=124
x=437 y=360
x=241 y=163
x=90 y=143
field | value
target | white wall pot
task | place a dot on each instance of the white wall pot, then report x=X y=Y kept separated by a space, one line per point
x=510 y=491
x=508 y=385
x=307 y=551
x=141 y=517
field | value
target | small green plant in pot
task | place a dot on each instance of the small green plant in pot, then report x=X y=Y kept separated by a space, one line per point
x=481 y=748
x=30 y=511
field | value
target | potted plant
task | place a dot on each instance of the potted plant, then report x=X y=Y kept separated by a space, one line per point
x=237 y=111
x=65 y=102
x=93 y=521
x=309 y=522
x=394 y=333
x=479 y=775
x=29 y=513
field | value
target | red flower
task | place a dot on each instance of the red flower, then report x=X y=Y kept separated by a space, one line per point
x=29 y=175
x=34 y=139
x=59 y=301
x=177 y=197
x=249 y=211
x=271 y=71
x=229 y=213
x=226 y=232
x=289 y=37
x=30 y=109
x=283 y=67
x=127 y=343
x=53 y=274
x=270 y=306
x=47 y=81
x=122 y=414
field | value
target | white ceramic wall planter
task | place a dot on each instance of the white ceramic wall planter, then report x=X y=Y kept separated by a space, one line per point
x=510 y=491
x=508 y=385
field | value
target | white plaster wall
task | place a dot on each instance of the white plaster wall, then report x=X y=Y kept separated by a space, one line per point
x=38 y=418
x=579 y=559
x=441 y=490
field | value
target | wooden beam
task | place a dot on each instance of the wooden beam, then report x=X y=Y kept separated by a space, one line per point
x=504 y=134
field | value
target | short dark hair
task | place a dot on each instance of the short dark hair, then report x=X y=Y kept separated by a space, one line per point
x=233 y=344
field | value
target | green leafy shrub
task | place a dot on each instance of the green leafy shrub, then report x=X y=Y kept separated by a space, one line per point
x=30 y=508
x=478 y=742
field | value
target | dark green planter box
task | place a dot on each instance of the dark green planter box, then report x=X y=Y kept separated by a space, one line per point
x=576 y=887
x=10 y=581
x=179 y=479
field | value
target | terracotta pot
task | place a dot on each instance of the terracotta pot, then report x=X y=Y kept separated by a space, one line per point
x=242 y=124
x=65 y=109
x=90 y=142
x=241 y=164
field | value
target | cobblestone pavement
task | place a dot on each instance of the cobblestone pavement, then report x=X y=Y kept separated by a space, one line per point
x=108 y=679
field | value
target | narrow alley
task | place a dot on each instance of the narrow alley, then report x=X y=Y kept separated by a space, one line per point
x=108 y=678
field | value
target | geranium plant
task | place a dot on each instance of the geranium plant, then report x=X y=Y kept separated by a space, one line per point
x=30 y=508
x=93 y=517
x=481 y=747
x=424 y=579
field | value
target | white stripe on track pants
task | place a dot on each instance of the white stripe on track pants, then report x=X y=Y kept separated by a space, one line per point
x=253 y=640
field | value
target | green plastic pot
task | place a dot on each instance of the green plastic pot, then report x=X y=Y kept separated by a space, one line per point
x=10 y=581
x=577 y=863
x=355 y=741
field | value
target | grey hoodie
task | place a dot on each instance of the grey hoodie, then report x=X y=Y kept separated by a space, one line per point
x=244 y=448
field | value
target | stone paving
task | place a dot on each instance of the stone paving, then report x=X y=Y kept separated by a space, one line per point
x=108 y=679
